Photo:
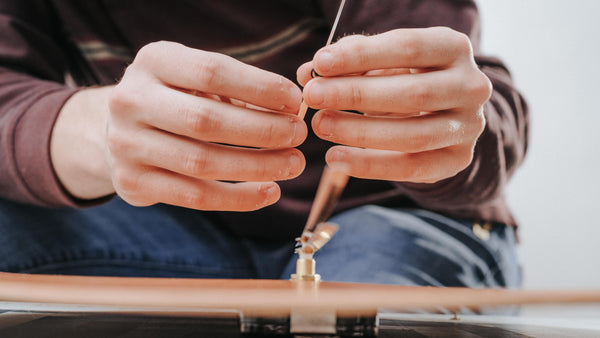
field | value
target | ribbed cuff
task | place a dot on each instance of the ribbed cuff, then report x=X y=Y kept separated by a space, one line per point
x=32 y=150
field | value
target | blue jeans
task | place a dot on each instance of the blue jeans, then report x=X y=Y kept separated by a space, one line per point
x=374 y=245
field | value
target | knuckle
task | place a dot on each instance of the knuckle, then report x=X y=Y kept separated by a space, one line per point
x=462 y=43
x=118 y=143
x=196 y=162
x=420 y=93
x=266 y=136
x=477 y=86
x=267 y=90
x=125 y=181
x=358 y=49
x=151 y=51
x=356 y=95
x=200 y=120
x=362 y=136
x=123 y=99
x=411 y=47
x=194 y=198
x=261 y=171
x=146 y=52
x=206 y=71
x=484 y=86
x=420 y=142
x=479 y=122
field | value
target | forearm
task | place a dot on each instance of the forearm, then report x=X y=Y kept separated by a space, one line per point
x=33 y=62
x=28 y=110
x=78 y=146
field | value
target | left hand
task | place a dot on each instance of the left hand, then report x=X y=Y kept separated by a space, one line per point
x=421 y=95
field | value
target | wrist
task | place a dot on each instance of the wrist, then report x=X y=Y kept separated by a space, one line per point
x=78 y=146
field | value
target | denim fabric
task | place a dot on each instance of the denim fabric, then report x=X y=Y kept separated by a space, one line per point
x=374 y=244
x=417 y=247
x=122 y=240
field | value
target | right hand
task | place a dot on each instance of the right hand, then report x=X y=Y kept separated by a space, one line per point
x=182 y=121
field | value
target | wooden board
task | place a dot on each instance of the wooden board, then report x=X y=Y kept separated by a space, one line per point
x=263 y=297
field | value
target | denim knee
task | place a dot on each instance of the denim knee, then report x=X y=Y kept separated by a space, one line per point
x=417 y=247
x=117 y=239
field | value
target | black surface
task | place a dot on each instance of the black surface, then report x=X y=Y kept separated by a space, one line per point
x=414 y=329
x=117 y=325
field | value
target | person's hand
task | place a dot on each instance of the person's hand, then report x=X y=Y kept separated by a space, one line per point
x=202 y=130
x=421 y=95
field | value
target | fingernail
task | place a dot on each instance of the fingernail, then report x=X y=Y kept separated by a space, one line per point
x=316 y=94
x=271 y=191
x=295 y=94
x=325 y=125
x=298 y=134
x=335 y=156
x=295 y=163
x=324 y=61
x=295 y=97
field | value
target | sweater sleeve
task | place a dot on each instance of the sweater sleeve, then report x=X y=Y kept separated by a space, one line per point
x=32 y=91
x=477 y=191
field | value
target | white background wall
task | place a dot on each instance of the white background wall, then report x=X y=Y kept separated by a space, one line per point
x=553 y=50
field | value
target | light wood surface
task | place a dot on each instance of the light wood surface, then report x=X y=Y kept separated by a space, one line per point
x=264 y=297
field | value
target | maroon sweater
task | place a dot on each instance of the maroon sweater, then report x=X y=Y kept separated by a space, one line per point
x=49 y=49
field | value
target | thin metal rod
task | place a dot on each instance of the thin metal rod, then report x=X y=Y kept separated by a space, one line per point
x=304 y=106
x=330 y=189
x=335 y=23
x=333 y=181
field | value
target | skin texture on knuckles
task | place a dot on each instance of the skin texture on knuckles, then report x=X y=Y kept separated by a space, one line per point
x=201 y=140
x=421 y=95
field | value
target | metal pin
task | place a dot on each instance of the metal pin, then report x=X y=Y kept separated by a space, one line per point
x=335 y=22
x=316 y=232
x=304 y=106
x=319 y=238
x=330 y=189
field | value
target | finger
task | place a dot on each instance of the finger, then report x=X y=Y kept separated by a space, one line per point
x=214 y=161
x=219 y=74
x=303 y=74
x=411 y=135
x=209 y=120
x=411 y=93
x=401 y=48
x=155 y=186
x=306 y=73
x=389 y=72
x=425 y=167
